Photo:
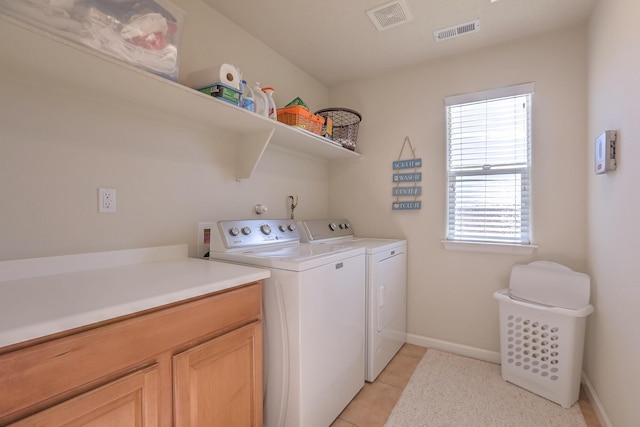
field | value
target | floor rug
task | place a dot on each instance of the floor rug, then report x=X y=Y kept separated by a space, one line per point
x=456 y=391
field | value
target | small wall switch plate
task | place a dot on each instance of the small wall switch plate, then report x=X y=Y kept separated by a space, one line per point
x=106 y=200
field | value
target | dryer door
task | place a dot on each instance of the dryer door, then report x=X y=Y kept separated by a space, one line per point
x=389 y=277
x=386 y=308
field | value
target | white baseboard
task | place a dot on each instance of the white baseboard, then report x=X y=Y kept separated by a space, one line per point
x=494 y=357
x=460 y=349
x=592 y=396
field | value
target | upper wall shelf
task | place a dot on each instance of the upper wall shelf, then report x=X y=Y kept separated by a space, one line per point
x=59 y=62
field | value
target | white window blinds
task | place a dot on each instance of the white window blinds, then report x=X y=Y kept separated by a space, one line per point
x=488 y=165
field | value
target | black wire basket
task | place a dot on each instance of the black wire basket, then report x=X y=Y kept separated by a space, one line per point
x=345 y=125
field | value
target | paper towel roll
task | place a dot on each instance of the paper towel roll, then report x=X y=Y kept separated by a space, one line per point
x=225 y=73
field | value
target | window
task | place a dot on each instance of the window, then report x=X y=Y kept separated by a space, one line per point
x=488 y=166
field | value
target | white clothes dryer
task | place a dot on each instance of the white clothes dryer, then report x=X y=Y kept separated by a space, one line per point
x=314 y=305
x=386 y=287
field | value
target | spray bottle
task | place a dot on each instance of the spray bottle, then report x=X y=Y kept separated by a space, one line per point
x=272 y=112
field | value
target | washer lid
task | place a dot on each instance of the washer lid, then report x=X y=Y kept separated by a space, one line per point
x=298 y=257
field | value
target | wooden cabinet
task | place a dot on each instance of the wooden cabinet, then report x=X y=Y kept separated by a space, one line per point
x=201 y=358
x=129 y=401
x=215 y=382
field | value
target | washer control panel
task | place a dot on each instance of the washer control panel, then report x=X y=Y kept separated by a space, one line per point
x=234 y=234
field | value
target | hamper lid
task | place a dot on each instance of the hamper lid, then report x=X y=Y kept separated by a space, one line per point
x=551 y=284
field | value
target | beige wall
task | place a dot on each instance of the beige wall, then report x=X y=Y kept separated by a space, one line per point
x=613 y=340
x=58 y=146
x=211 y=39
x=450 y=293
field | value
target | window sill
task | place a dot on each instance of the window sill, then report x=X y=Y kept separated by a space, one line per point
x=495 y=248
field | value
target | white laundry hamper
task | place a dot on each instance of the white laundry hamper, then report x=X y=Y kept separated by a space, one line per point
x=542 y=336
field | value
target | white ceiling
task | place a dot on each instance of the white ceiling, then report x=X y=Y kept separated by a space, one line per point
x=335 y=42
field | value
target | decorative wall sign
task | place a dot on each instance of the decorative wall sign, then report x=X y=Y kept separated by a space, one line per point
x=406 y=206
x=406 y=190
x=407 y=177
x=407 y=164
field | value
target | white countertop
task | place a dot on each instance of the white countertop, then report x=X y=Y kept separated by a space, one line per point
x=43 y=296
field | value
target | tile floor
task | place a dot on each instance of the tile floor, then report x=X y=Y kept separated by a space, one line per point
x=372 y=406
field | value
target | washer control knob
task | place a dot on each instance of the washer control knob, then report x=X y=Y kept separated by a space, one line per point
x=265 y=229
x=333 y=226
x=347 y=225
x=234 y=231
x=282 y=228
x=343 y=226
x=291 y=227
x=246 y=231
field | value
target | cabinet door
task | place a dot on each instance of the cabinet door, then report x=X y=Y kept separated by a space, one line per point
x=131 y=401
x=219 y=383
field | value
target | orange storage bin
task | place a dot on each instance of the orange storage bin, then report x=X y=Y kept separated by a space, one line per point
x=301 y=117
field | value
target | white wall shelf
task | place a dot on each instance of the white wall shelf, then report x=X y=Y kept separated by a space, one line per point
x=83 y=70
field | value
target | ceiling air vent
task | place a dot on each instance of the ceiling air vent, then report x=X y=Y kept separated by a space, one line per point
x=390 y=15
x=457 y=30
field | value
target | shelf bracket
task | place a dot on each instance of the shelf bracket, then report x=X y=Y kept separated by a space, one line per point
x=249 y=151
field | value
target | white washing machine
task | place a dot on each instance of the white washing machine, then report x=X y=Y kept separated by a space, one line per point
x=314 y=306
x=386 y=287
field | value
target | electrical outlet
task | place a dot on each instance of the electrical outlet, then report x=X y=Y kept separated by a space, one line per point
x=106 y=200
